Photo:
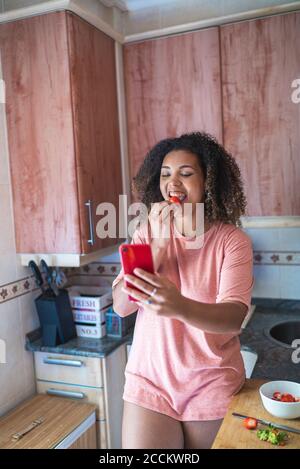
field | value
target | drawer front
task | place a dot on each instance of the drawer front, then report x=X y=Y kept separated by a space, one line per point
x=80 y=393
x=71 y=369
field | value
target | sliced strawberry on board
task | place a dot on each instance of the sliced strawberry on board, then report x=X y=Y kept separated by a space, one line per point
x=250 y=423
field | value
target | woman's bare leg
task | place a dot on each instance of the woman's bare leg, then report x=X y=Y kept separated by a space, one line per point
x=200 y=434
x=145 y=429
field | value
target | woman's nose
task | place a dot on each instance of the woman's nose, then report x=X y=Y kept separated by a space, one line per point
x=174 y=181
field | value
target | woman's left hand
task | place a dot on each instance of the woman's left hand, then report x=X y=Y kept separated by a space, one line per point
x=158 y=293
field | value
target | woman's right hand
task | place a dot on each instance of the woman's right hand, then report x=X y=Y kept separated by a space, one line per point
x=160 y=218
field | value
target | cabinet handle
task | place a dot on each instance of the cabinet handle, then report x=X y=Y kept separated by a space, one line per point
x=35 y=423
x=57 y=361
x=62 y=393
x=89 y=205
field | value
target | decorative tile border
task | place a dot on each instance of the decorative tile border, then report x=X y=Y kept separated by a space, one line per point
x=27 y=285
x=100 y=268
x=276 y=258
x=23 y=286
x=12 y=290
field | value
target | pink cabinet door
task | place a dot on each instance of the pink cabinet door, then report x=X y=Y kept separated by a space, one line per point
x=96 y=129
x=172 y=86
x=34 y=54
x=260 y=60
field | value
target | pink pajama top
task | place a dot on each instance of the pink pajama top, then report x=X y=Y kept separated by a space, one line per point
x=175 y=368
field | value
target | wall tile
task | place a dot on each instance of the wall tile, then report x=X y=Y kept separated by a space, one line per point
x=101 y=280
x=17 y=288
x=9 y=405
x=114 y=257
x=290 y=239
x=264 y=239
x=7 y=269
x=267 y=281
x=12 y=373
x=289 y=283
x=29 y=316
x=29 y=372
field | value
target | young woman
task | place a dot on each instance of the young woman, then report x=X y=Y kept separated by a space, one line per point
x=185 y=362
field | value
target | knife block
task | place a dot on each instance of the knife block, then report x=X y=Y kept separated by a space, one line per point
x=56 y=318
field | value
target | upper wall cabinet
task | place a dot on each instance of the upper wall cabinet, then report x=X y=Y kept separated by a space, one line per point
x=260 y=61
x=172 y=86
x=63 y=131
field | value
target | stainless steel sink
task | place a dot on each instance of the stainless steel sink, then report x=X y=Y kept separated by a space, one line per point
x=284 y=333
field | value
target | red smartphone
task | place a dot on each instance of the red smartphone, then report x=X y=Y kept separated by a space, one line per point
x=133 y=256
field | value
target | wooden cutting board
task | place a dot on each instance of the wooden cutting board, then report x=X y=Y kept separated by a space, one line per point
x=233 y=435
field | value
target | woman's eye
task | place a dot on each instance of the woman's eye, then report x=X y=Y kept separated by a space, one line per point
x=183 y=174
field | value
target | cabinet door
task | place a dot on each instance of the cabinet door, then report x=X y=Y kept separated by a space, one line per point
x=34 y=54
x=96 y=129
x=172 y=86
x=260 y=60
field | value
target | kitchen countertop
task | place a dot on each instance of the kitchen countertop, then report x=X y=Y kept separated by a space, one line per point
x=80 y=346
x=274 y=361
x=233 y=435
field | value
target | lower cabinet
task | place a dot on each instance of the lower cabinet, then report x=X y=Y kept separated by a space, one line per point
x=99 y=381
x=49 y=422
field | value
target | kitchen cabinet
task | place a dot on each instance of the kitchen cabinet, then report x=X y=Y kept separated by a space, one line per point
x=98 y=381
x=63 y=133
x=260 y=61
x=172 y=86
x=46 y=422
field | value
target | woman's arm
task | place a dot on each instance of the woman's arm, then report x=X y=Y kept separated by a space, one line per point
x=219 y=318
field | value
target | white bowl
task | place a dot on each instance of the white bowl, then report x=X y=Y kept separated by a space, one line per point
x=284 y=410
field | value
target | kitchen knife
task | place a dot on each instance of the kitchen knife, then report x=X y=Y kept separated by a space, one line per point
x=37 y=275
x=48 y=271
x=265 y=422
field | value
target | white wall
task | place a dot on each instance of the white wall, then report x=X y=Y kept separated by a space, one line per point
x=17 y=310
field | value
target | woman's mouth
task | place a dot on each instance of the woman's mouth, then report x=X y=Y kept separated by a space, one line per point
x=180 y=195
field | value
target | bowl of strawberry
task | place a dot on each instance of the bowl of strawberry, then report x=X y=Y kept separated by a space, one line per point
x=281 y=398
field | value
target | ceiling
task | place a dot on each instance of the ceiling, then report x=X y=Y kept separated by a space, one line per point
x=131 y=5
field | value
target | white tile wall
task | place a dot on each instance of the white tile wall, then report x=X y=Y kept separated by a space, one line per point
x=17 y=316
x=16 y=375
x=276 y=281
x=267 y=281
x=264 y=239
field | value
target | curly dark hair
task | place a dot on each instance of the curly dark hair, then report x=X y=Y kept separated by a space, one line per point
x=224 y=198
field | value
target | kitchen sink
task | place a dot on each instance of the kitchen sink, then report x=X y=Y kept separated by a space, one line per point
x=284 y=333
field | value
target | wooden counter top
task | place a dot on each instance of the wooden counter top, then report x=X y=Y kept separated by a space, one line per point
x=60 y=417
x=233 y=435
